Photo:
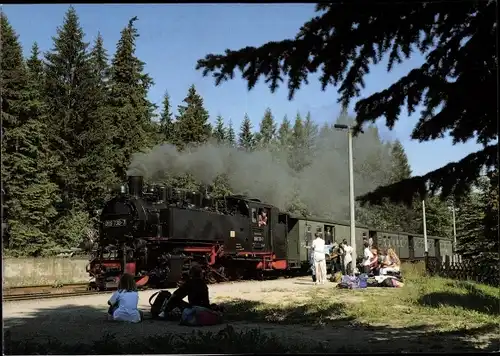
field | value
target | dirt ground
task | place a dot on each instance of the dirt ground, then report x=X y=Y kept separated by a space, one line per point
x=82 y=319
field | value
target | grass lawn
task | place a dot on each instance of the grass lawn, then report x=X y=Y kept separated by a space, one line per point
x=428 y=314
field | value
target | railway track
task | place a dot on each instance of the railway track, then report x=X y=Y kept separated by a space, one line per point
x=48 y=295
x=44 y=292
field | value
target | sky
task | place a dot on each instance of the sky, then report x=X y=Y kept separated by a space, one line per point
x=173 y=37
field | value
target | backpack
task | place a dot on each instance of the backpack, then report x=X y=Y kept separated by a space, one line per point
x=161 y=297
x=200 y=316
x=349 y=282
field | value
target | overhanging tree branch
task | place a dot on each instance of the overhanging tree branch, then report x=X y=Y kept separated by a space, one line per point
x=456 y=85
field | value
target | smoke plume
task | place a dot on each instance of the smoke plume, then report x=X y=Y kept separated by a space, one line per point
x=323 y=186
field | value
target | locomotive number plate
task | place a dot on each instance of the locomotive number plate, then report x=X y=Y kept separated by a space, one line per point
x=115 y=223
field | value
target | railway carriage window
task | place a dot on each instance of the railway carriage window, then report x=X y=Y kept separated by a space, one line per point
x=308 y=232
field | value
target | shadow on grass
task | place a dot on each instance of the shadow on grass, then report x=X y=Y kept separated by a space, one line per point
x=306 y=315
x=473 y=299
x=249 y=327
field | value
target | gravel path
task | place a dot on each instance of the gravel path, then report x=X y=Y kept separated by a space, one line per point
x=82 y=319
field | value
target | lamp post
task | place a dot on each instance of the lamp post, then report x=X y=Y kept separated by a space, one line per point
x=351 y=191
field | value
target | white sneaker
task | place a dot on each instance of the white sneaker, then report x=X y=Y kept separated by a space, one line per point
x=161 y=315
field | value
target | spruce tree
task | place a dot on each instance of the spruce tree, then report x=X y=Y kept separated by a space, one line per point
x=192 y=125
x=310 y=139
x=400 y=165
x=490 y=198
x=76 y=89
x=219 y=132
x=166 y=129
x=469 y=222
x=35 y=66
x=131 y=111
x=26 y=158
x=266 y=135
x=477 y=222
x=285 y=135
x=231 y=135
x=69 y=93
x=246 y=137
x=98 y=143
x=340 y=42
x=297 y=157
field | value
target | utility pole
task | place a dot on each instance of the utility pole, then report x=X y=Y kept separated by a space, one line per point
x=351 y=191
x=426 y=248
x=454 y=228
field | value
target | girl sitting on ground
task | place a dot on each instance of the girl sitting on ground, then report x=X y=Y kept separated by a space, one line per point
x=123 y=303
x=391 y=263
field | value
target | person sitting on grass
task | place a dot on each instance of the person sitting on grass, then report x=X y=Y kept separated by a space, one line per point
x=391 y=263
x=123 y=303
x=374 y=265
x=195 y=289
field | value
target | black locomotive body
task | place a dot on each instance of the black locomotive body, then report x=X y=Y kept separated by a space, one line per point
x=158 y=232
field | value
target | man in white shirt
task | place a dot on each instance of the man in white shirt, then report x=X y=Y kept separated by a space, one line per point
x=367 y=257
x=318 y=246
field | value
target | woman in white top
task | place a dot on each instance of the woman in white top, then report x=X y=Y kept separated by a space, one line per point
x=123 y=303
x=391 y=263
x=318 y=246
x=367 y=258
x=347 y=257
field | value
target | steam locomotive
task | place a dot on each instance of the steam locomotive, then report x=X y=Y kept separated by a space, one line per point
x=155 y=233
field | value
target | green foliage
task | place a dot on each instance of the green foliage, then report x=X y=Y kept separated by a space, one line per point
x=296 y=158
x=130 y=110
x=192 y=124
x=71 y=229
x=220 y=131
x=246 y=138
x=284 y=135
x=26 y=158
x=167 y=128
x=69 y=93
x=401 y=167
x=266 y=135
x=98 y=139
x=231 y=135
x=455 y=84
x=477 y=221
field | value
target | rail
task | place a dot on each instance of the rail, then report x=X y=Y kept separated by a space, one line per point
x=46 y=291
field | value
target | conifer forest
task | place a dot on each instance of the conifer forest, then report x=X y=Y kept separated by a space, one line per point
x=76 y=121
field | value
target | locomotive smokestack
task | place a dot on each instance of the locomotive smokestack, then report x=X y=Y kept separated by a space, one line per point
x=135 y=185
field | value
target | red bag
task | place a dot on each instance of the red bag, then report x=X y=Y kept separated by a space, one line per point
x=199 y=316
